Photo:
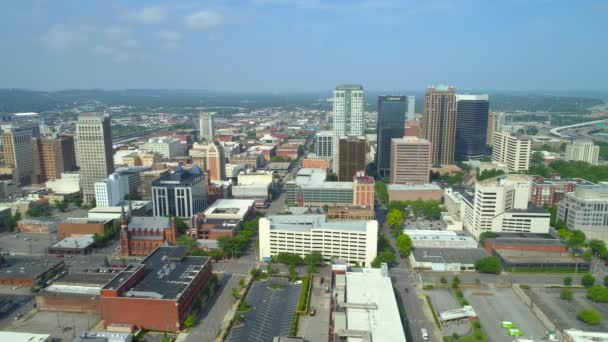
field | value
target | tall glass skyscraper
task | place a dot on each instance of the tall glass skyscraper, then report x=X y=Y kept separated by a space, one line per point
x=391 y=124
x=349 y=106
x=472 y=113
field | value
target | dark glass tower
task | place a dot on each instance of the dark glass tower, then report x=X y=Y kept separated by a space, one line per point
x=472 y=113
x=391 y=124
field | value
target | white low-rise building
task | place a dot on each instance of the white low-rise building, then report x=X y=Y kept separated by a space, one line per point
x=67 y=184
x=354 y=241
x=439 y=238
x=230 y=209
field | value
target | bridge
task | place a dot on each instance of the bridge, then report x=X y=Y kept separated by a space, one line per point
x=556 y=130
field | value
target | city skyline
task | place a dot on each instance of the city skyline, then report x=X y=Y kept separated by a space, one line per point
x=237 y=47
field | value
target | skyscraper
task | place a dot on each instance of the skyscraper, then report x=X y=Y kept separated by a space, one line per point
x=471 y=125
x=210 y=157
x=206 y=126
x=439 y=123
x=94 y=140
x=181 y=193
x=54 y=156
x=511 y=150
x=583 y=150
x=411 y=106
x=410 y=160
x=391 y=124
x=324 y=144
x=352 y=152
x=18 y=151
x=349 y=105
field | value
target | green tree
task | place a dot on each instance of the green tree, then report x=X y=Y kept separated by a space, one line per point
x=577 y=239
x=486 y=235
x=590 y=316
x=455 y=282
x=606 y=281
x=404 y=244
x=289 y=259
x=568 y=281
x=532 y=130
x=312 y=260
x=189 y=321
x=598 y=294
x=537 y=158
x=566 y=294
x=332 y=177
x=185 y=240
x=256 y=273
x=226 y=244
x=488 y=265
x=394 y=218
x=61 y=205
x=235 y=293
x=382 y=192
x=486 y=174
x=292 y=272
x=443 y=280
x=587 y=280
x=384 y=257
x=587 y=255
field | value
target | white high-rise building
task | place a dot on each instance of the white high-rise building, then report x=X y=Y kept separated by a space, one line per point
x=586 y=209
x=206 y=126
x=582 y=150
x=94 y=141
x=349 y=106
x=512 y=151
x=165 y=146
x=411 y=107
x=111 y=192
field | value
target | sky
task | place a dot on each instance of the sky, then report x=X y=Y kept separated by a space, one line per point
x=283 y=46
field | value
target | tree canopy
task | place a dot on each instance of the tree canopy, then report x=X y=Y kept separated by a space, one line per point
x=384 y=257
x=488 y=265
x=404 y=244
x=394 y=218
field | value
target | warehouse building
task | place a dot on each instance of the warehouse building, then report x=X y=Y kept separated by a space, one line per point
x=73 y=245
x=28 y=271
x=83 y=226
x=439 y=238
x=75 y=292
x=446 y=259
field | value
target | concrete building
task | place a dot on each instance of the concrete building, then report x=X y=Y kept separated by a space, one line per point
x=551 y=191
x=111 y=191
x=73 y=245
x=316 y=163
x=67 y=184
x=350 y=212
x=446 y=259
x=165 y=146
x=573 y=335
x=438 y=123
x=348 y=108
x=55 y=156
x=157 y=294
x=411 y=106
x=353 y=241
x=471 y=125
x=413 y=192
x=18 y=150
x=94 y=143
x=136 y=208
x=324 y=144
x=206 y=126
x=230 y=209
x=390 y=125
x=364 y=307
x=581 y=150
x=492 y=118
x=423 y=238
x=309 y=188
x=144 y=189
x=181 y=193
x=586 y=209
x=410 y=160
x=352 y=153
x=511 y=150
x=233 y=170
x=210 y=157
x=249 y=159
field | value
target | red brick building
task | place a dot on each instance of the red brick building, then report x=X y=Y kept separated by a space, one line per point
x=212 y=229
x=525 y=242
x=363 y=190
x=550 y=191
x=75 y=227
x=323 y=164
x=288 y=151
x=142 y=235
x=157 y=294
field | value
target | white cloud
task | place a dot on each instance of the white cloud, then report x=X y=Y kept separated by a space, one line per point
x=116 y=33
x=169 y=39
x=149 y=15
x=204 y=20
x=60 y=37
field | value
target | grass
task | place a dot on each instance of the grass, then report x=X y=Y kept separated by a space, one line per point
x=303 y=300
x=244 y=306
x=276 y=286
x=293 y=330
x=524 y=287
x=430 y=303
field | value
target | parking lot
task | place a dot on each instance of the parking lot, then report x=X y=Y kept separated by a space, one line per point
x=502 y=304
x=563 y=312
x=26 y=243
x=424 y=224
x=444 y=300
x=61 y=325
x=270 y=314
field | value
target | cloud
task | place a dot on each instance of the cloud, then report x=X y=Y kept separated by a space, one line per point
x=116 y=33
x=169 y=39
x=149 y=15
x=103 y=50
x=115 y=55
x=204 y=20
x=60 y=37
x=129 y=43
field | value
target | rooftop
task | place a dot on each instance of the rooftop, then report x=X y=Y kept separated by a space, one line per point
x=236 y=207
x=449 y=255
x=75 y=242
x=84 y=220
x=136 y=205
x=181 y=177
x=413 y=187
x=157 y=224
x=23 y=337
x=27 y=267
x=305 y=223
x=544 y=181
x=526 y=257
x=586 y=336
x=168 y=272
x=315 y=179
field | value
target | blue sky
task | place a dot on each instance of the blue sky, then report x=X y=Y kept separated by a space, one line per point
x=304 y=45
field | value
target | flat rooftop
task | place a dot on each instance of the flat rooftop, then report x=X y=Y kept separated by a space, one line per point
x=23 y=337
x=315 y=179
x=449 y=255
x=75 y=242
x=168 y=272
x=413 y=187
x=371 y=286
x=517 y=256
x=305 y=223
x=237 y=207
x=117 y=209
x=526 y=239
x=85 y=279
x=26 y=267
x=84 y=220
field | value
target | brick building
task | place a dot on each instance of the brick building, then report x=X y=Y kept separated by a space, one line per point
x=525 y=242
x=142 y=235
x=75 y=227
x=157 y=294
x=36 y=226
x=212 y=229
x=289 y=152
x=28 y=271
x=351 y=213
x=323 y=164
x=550 y=191
x=78 y=292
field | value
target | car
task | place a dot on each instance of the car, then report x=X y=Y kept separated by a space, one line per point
x=515 y=332
x=18 y=317
x=507 y=324
x=313 y=311
x=424 y=333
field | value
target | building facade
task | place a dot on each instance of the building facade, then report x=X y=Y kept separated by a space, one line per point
x=18 y=149
x=513 y=151
x=165 y=146
x=211 y=158
x=348 y=108
x=586 y=209
x=410 y=160
x=548 y=192
x=352 y=157
x=471 y=125
x=324 y=144
x=353 y=241
x=411 y=106
x=111 y=191
x=95 y=157
x=142 y=235
x=581 y=150
x=390 y=125
x=206 y=126
x=54 y=156
x=438 y=123
x=181 y=193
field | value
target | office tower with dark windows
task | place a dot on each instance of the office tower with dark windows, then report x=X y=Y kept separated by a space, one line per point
x=391 y=124
x=472 y=113
x=324 y=144
x=352 y=153
x=181 y=193
x=95 y=156
x=17 y=146
x=439 y=123
x=206 y=126
x=349 y=106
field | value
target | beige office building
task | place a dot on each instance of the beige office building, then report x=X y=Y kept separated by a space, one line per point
x=439 y=123
x=410 y=160
x=210 y=157
x=582 y=150
x=513 y=151
x=95 y=157
x=17 y=146
x=53 y=156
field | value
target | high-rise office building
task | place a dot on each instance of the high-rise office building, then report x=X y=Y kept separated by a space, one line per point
x=110 y=191
x=18 y=151
x=324 y=144
x=439 y=123
x=349 y=105
x=182 y=193
x=210 y=157
x=206 y=126
x=492 y=118
x=411 y=106
x=391 y=124
x=410 y=160
x=513 y=151
x=95 y=157
x=54 y=156
x=582 y=150
x=352 y=152
x=471 y=124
